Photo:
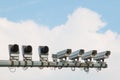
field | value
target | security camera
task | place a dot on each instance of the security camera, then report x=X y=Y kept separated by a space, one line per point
x=14 y=51
x=89 y=55
x=76 y=54
x=102 y=55
x=27 y=52
x=43 y=53
x=64 y=53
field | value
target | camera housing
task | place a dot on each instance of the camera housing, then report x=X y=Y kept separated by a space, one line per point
x=102 y=55
x=89 y=55
x=76 y=54
x=64 y=53
x=27 y=52
x=43 y=53
x=14 y=51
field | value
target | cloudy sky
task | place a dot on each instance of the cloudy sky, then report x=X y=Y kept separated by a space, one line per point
x=86 y=24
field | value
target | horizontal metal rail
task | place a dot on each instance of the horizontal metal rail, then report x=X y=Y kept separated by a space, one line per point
x=77 y=64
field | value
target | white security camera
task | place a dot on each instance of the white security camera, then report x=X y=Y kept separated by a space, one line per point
x=89 y=55
x=76 y=54
x=27 y=52
x=14 y=51
x=102 y=55
x=43 y=53
x=64 y=53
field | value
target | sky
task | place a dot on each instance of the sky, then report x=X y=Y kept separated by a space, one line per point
x=78 y=24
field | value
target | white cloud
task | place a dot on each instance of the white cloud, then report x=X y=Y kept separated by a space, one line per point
x=80 y=31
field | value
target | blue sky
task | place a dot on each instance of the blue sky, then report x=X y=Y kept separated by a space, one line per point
x=54 y=12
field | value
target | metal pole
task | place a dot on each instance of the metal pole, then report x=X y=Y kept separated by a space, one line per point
x=7 y=63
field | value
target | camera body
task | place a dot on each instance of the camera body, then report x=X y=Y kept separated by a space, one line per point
x=27 y=52
x=14 y=51
x=64 y=53
x=102 y=55
x=43 y=53
x=76 y=54
x=89 y=55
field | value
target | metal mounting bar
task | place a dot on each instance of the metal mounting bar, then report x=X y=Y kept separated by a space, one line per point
x=7 y=63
